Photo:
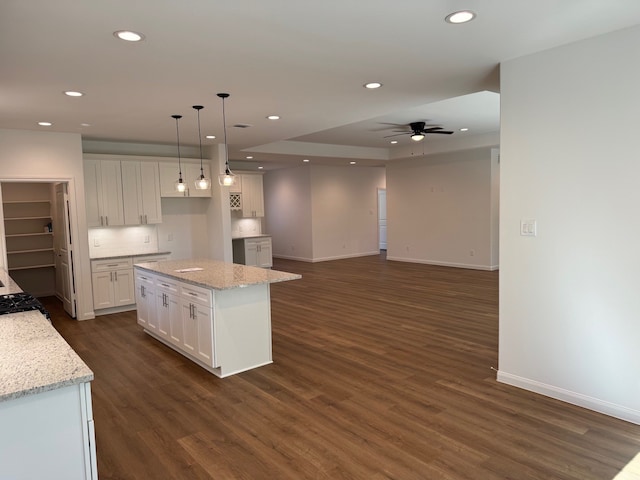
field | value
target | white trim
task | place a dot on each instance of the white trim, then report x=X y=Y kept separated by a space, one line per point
x=568 y=396
x=444 y=264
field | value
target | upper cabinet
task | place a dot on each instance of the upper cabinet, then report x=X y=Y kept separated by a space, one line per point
x=190 y=171
x=121 y=192
x=252 y=195
x=141 y=193
x=103 y=193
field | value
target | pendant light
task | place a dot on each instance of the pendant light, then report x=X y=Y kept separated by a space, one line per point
x=227 y=178
x=202 y=182
x=180 y=185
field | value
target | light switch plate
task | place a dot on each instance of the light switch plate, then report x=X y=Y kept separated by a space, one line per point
x=528 y=228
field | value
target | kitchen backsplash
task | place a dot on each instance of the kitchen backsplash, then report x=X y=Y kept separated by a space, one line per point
x=116 y=241
x=241 y=227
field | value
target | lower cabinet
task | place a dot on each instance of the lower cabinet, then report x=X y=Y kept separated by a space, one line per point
x=254 y=252
x=112 y=283
x=178 y=313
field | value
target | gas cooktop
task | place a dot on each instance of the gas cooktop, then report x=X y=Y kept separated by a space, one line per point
x=21 y=302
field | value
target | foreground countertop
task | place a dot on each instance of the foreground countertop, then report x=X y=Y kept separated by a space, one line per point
x=215 y=274
x=34 y=357
x=8 y=285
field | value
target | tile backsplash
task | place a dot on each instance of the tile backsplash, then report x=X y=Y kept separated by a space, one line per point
x=116 y=241
x=241 y=227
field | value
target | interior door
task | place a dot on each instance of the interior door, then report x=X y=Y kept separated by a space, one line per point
x=63 y=248
x=382 y=218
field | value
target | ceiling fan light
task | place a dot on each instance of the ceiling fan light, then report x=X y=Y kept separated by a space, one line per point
x=416 y=137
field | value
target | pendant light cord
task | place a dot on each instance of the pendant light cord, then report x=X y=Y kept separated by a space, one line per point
x=226 y=148
x=178 y=137
x=198 y=108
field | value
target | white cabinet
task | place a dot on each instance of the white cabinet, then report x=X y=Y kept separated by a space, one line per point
x=252 y=196
x=141 y=192
x=112 y=282
x=254 y=252
x=146 y=301
x=198 y=323
x=190 y=171
x=168 y=310
x=103 y=193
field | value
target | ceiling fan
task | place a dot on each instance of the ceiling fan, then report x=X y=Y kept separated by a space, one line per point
x=418 y=131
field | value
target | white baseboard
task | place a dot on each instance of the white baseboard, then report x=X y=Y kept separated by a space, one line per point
x=591 y=403
x=443 y=264
x=292 y=257
x=325 y=259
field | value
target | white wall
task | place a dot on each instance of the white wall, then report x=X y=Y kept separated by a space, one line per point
x=317 y=212
x=569 y=304
x=30 y=155
x=287 y=203
x=344 y=209
x=442 y=209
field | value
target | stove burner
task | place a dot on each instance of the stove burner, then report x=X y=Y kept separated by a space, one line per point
x=21 y=302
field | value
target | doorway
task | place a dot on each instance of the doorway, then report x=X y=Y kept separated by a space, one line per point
x=382 y=219
x=36 y=234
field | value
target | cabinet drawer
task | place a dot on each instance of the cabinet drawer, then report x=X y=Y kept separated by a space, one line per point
x=164 y=285
x=145 y=278
x=195 y=294
x=150 y=258
x=114 y=264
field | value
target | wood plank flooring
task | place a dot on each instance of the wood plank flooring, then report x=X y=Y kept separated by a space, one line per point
x=382 y=370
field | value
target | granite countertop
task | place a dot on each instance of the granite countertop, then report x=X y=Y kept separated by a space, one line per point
x=105 y=257
x=34 y=357
x=215 y=274
x=9 y=286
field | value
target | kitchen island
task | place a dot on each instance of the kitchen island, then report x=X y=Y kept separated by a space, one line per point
x=217 y=314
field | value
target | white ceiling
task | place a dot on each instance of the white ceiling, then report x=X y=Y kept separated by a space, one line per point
x=305 y=61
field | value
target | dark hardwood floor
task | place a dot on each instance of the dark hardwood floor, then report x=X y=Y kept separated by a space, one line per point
x=382 y=370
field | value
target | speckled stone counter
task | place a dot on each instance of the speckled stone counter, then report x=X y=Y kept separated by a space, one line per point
x=8 y=285
x=34 y=357
x=215 y=274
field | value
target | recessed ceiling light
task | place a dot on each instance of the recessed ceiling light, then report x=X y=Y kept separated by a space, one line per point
x=260 y=168
x=249 y=157
x=352 y=163
x=274 y=117
x=85 y=124
x=464 y=129
x=71 y=93
x=45 y=124
x=463 y=16
x=372 y=85
x=128 y=35
x=306 y=160
x=394 y=141
x=210 y=136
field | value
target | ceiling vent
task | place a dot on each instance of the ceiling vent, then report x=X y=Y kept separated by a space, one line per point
x=242 y=125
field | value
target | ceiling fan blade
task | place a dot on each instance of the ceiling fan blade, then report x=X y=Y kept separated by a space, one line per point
x=431 y=129
x=443 y=132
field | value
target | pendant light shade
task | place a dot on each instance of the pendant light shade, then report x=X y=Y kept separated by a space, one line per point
x=227 y=178
x=180 y=186
x=202 y=182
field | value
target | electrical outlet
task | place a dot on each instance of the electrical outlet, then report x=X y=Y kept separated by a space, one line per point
x=96 y=242
x=146 y=239
x=472 y=252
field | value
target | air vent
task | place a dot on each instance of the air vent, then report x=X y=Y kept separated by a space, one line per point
x=242 y=125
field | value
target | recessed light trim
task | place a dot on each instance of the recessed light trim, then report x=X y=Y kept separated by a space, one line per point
x=273 y=117
x=249 y=157
x=85 y=124
x=73 y=93
x=306 y=160
x=372 y=85
x=128 y=35
x=45 y=124
x=260 y=167
x=394 y=141
x=465 y=129
x=210 y=137
x=463 y=16
x=352 y=163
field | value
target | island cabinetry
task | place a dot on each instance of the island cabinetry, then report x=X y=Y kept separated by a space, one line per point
x=168 y=310
x=146 y=301
x=103 y=193
x=141 y=193
x=197 y=316
x=112 y=283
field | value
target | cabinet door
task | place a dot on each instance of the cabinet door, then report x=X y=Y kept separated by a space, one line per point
x=103 y=296
x=131 y=194
x=168 y=177
x=162 y=312
x=150 y=192
x=265 y=258
x=150 y=307
x=251 y=253
x=92 y=192
x=189 y=328
x=111 y=184
x=252 y=196
x=204 y=319
x=144 y=298
x=123 y=289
